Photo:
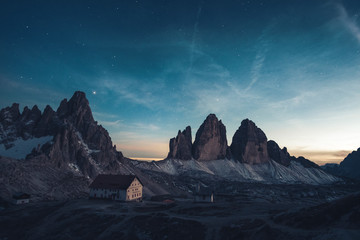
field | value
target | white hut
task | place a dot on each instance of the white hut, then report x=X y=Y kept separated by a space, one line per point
x=21 y=198
x=116 y=187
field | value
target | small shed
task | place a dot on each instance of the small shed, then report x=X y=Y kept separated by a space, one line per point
x=21 y=198
x=116 y=187
x=203 y=194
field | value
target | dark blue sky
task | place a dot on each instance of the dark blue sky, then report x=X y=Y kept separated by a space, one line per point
x=150 y=68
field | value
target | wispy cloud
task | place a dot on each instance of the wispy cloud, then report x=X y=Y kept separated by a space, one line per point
x=116 y=123
x=322 y=157
x=291 y=102
x=151 y=127
x=120 y=124
x=194 y=38
x=262 y=49
x=125 y=89
x=30 y=94
x=104 y=115
x=348 y=22
x=256 y=68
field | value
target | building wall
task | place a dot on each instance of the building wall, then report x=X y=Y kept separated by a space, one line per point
x=134 y=191
x=117 y=194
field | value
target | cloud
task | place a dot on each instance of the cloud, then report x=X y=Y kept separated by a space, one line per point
x=262 y=49
x=104 y=115
x=134 y=126
x=150 y=127
x=322 y=157
x=256 y=68
x=292 y=102
x=348 y=22
x=31 y=95
x=194 y=38
x=123 y=89
x=117 y=123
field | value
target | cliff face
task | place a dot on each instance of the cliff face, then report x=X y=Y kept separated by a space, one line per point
x=210 y=142
x=180 y=147
x=249 y=144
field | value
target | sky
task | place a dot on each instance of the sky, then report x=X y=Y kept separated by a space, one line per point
x=150 y=68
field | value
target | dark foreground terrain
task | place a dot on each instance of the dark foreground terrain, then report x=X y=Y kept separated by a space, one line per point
x=307 y=213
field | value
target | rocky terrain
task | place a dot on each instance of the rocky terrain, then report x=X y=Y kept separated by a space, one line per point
x=252 y=211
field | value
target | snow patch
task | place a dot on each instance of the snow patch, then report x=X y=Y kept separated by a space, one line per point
x=29 y=122
x=89 y=151
x=86 y=147
x=74 y=167
x=23 y=147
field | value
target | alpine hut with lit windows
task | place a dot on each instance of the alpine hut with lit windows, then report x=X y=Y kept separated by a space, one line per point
x=116 y=187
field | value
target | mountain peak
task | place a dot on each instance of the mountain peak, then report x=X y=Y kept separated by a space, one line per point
x=76 y=138
x=211 y=116
x=249 y=144
x=210 y=141
x=180 y=147
x=79 y=95
x=10 y=113
x=77 y=109
x=278 y=155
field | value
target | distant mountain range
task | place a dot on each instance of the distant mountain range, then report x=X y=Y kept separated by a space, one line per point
x=56 y=154
x=348 y=168
x=250 y=157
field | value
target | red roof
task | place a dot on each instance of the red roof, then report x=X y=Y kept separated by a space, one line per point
x=107 y=181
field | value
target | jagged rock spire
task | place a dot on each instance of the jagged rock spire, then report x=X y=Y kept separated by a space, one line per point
x=249 y=144
x=210 y=142
x=180 y=147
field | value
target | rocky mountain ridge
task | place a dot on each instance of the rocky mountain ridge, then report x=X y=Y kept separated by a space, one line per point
x=39 y=151
x=69 y=137
x=249 y=145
